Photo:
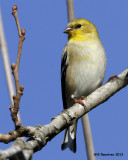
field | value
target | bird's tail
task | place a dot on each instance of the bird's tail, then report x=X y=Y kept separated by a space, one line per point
x=70 y=138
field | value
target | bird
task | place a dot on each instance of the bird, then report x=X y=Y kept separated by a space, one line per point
x=83 y=67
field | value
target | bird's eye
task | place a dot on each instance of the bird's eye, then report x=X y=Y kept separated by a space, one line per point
x=79 y=25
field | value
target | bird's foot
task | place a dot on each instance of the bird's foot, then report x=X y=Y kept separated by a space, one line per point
x=112 y=77
x=83 y=97
x=79 y=100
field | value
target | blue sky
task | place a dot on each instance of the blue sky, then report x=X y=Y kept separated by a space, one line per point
x=44 y=22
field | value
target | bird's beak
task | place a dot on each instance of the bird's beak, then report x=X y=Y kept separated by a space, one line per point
x=67 y=30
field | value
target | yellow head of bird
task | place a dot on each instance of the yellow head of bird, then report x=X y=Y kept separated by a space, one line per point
x=81 y=30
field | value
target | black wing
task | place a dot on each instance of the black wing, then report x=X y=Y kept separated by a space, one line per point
x=63 y=77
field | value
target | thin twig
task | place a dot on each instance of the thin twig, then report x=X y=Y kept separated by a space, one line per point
x=70 y=9
x=5 y=57
x=88 y=137
x=4 y=53
x=15 y=70
x=14 y=13
x=21 y=39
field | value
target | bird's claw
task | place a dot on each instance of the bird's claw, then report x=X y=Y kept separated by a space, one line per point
x=112 y=77
x=79 y=100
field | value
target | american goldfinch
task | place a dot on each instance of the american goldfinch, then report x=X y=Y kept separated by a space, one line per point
x=83 y=68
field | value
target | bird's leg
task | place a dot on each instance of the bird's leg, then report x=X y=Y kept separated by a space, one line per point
x=112 y=77
x=78 y=100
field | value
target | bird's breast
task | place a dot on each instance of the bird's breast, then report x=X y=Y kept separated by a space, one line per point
x=86 y=68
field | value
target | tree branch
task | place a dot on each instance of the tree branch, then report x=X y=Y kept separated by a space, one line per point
x=19 y=150
x=20 y=132
x=40 y=135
